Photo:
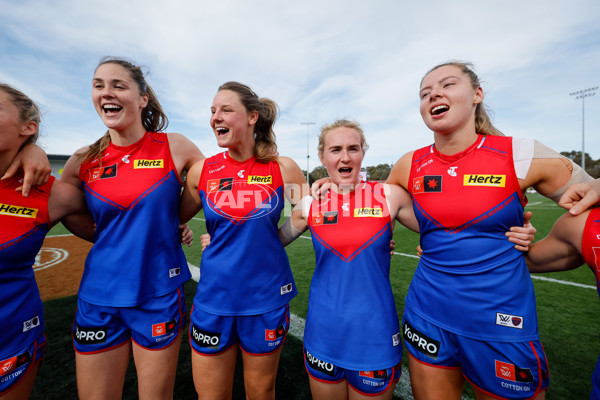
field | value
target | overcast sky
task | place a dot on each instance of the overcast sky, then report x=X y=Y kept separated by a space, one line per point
x=319 y=60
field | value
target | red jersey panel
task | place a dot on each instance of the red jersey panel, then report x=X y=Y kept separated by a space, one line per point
x=590 y=244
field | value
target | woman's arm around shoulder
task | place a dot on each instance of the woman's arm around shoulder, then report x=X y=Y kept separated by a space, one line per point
x=190 y=202
x=67 y=203
x=184 y=152
x=296 y=224
x=36 y=167
x=561 y=249
x=295 y=186
x=75 y=217
x=550 y=173
x=400 y=206
x=70 y=173
x=401 y=171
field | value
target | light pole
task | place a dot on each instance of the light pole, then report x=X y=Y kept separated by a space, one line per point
x=582 y=94
x=308 y=124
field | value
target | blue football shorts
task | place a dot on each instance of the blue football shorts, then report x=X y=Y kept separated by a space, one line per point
x=510 y=370
x=256 y=334
x=367 y=383
x=14 y=367
x=153 y=325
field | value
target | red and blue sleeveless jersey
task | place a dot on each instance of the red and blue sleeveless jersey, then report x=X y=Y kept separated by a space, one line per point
x=590 y=244
x=245 y=270
x=471 y=280
x=133 y=196
x=352 y=320
x=24 y=222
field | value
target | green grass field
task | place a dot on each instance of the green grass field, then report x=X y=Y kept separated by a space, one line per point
x=568 y=319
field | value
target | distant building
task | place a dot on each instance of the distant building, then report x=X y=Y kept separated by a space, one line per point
x=57 y=162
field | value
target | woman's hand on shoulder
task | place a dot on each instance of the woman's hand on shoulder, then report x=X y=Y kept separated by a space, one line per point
x=35 y=165
x=581 y=196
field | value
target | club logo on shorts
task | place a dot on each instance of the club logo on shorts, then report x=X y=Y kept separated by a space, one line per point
x=510 y=321
x=274 y=334
x=421 y=342
x=85 y=335
x=381 y=374
x=427 y=184
x=102 y=173
x=11 y=364
x=210 y=340
x=511 y=372
x=163 y=328
x=16 y=211
x=318 y=365
x=32 y=323
x=396 y=339
x=285 y=289
x=173 y=272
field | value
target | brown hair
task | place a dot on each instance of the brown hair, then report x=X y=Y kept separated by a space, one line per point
x=28 y=110
x=483 y=124
x=153 y=117
x=341 y=123
x=265 y=147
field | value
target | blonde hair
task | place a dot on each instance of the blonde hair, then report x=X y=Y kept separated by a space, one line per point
x=483 y=124
x=341 y=123
x=154 y=118
x=265 y=147
x=28 y=110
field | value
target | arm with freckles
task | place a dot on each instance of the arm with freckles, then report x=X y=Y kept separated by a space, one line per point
x=79 y=222
x=190 y=202
x=561 y=249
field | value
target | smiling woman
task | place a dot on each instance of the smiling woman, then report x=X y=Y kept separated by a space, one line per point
x=245 y=278
x=131 y=178
x=468 y=188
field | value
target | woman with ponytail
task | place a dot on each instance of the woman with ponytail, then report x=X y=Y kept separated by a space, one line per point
x=130 y=298
x=245 y=278
x=470 y=309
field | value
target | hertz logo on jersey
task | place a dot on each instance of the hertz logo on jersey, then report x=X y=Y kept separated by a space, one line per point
x=484 y=180
x=16 y=211
x=368 y=212
x=148 y=164
x=260 y=179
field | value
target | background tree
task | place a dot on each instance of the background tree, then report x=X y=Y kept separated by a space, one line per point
x=379 y=172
